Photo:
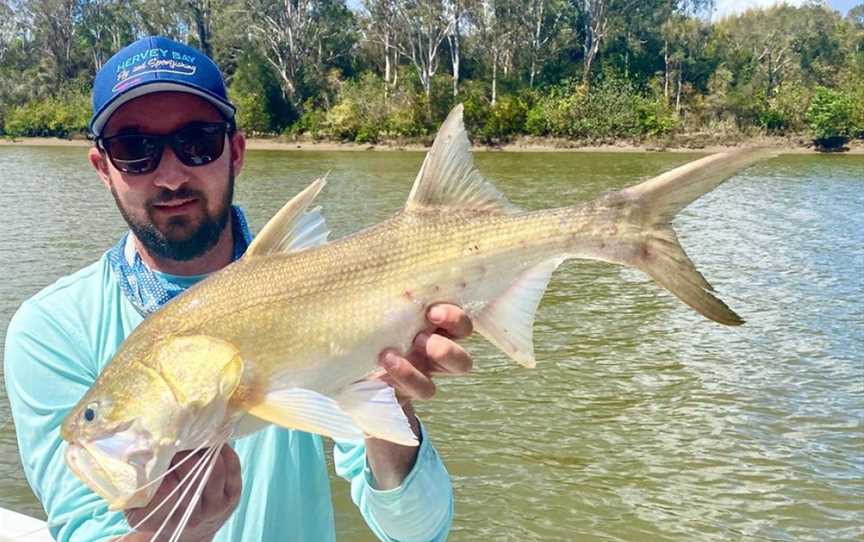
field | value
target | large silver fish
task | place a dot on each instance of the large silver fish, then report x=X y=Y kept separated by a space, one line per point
x=290 y=334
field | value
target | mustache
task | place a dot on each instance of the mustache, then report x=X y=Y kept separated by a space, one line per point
x=167 y=196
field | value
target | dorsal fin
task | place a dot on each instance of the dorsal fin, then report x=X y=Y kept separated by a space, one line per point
x=293 y=229
x=448 y=178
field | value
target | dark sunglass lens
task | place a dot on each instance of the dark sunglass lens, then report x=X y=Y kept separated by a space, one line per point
x=199 y=144
x=134 y=153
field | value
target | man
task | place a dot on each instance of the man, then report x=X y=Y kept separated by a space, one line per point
x=167 y=149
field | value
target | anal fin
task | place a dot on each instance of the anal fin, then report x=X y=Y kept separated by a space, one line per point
x=508 y=321
x=372 y=404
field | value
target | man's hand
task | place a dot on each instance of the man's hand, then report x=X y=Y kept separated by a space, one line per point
x=433 y=352
x=218 y=500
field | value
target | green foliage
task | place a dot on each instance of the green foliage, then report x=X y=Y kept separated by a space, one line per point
x=660 y=69
x=253 y=115
x=854 y=89
x=785 y=111
x=311 y=123
x=63 y=116
x=612 y=108
x=493 y=124
x=654 y=118
x=361 y=111
x=830 y=117
x=261 y=108
x=364 y=113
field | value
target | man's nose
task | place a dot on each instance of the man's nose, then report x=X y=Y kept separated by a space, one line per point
x=171 y=173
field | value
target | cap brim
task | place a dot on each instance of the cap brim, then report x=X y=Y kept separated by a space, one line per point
x=101 y=119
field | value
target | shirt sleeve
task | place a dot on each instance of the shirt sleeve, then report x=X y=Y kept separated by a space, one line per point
x=420 y=510
x=47 y=370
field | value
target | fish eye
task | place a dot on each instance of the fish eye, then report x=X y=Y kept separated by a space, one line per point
x=89 y=413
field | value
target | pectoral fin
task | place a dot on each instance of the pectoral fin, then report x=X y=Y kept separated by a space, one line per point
x=508 y=321
x=367 y=407
x=373 y=406
x=307 y=410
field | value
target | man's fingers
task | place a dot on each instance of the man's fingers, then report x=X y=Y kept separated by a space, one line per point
x=233 y=477
x=451 y=320
x=406 y=378
x=185 y=464
x=444 y=355
x=214 y=490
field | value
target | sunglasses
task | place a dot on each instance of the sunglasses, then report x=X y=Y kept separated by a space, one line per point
x=195 y=144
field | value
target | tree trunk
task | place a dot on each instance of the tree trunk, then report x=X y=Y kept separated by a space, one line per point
x=387 y=66
x=666 y=71
x=494 y=77
x=201 y=13
x=455 y=53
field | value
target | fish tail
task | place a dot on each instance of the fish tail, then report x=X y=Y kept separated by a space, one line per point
x=655 y=203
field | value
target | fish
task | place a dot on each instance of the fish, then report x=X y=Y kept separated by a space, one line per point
x=290 y=333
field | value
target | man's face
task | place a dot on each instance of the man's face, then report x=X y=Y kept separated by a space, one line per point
x=177 y=212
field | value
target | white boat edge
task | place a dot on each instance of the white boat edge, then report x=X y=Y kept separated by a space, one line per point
x=15 y=527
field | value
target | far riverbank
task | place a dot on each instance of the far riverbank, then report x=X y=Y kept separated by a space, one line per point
x=786 y=145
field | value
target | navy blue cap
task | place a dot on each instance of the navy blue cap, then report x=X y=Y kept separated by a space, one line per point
x=155 y=64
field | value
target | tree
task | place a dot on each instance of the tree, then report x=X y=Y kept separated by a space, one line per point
x=105 y=27
x=9 y=28
x=596 y=17
x=683 y=37
x=381 y=29
x=201 y=13
x=53 y=24
x=497 y=29
x=425 y=27
x=542 y=29
x=455 y=12
x=298 y=38
x=160 y=17
x=856 y=15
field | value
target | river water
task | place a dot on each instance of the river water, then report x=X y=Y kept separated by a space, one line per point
x=642 y=420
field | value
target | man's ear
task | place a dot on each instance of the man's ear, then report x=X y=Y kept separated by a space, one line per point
x=99 y=161
x=238 y=150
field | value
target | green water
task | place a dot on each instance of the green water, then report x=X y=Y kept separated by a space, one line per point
x=642 y=421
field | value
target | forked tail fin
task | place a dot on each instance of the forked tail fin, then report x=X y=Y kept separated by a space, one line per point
x=661 y=256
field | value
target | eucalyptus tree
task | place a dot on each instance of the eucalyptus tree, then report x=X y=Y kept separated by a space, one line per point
x=200 y=14
x=497 y=24
x=299 y=39
x=52 y=25
x=596 y=23
x=456 y=14
x=425 y=25
x=160 y=17
x=543 y=27
x=684 y=30
x=683 y=38
x=766 y=48
x=105 y=26
x=856 y=15
x=381 y=30
x=9 y=29
x=856 y=38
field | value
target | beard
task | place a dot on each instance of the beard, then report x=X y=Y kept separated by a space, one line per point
x=178 y=243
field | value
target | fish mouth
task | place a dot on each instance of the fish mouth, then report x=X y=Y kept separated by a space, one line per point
x=87 y=468
x=121 y=484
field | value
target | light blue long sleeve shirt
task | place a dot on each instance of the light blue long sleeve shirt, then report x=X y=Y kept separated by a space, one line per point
x=60 y=340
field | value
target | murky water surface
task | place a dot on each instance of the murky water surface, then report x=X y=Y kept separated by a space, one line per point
x=642 y=421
